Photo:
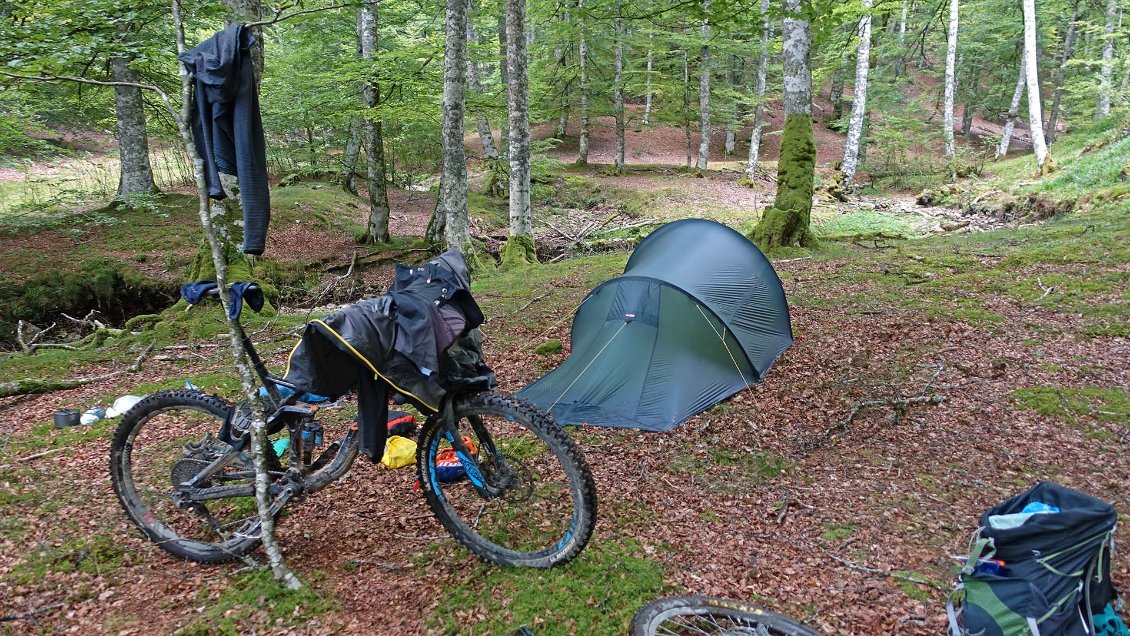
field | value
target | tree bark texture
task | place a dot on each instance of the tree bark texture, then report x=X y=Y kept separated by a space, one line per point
x=583 y=53
x=136 y=174
x=518 y=98
x=349 y=157
x=452 y=202
x=859 y=99
x=900 y=59
x=1061 y=75
x=704 y=92
x=1013 y=110
x=687 y=107
x=486 y=138
x=618 y=87
x=787 y=221
x=504 y=77
x=734 y=118
x=278 y=566
x=951 y=64
x=1106 y=71
x=759 y=109
x=648 y=94
x=1035 y=117
x=836 y=92
x=374 y=138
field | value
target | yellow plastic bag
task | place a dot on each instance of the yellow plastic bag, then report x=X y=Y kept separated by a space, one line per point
x=399 y=452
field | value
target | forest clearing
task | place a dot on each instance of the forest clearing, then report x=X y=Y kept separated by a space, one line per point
x=958 y=292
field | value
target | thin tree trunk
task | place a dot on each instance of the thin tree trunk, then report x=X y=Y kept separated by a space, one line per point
x=787 y=221
x=452 y=203
x=1061 y=75
x=504 y=76
x=516 y=68
x=951 y=63
x=1106 y=72
x=136 y=174
x=349 y=157
x=735 y=115
x=560 y=55
x=687 y=106
x=1013 y=110
x=275 y=558
x=486 y=138
x=374 y=138
x=704 y=92
x=759 y=109
x=618 y=87
x=1035 y=118
x=900 y=59
x=648 y=96
x=836 y=92
x=859 y=99
x=967 y=110
x=583 y=52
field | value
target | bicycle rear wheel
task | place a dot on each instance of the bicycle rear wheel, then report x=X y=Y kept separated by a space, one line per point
x=164 y=441
x=543 y=508
x=700 y=615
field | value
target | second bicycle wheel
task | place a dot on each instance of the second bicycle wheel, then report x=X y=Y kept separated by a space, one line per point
x=700 y=615
x=542 y=507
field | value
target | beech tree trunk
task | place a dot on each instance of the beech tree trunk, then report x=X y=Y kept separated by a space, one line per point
x=486 y=138
x=1035 y=118
x=374 y=137
x=1061 y=74
x=135 y=174
x=583 y=52
x=687 y=106
x=452 y=203
x=1013 y=110
x=349 y=157
x=759 y=109
x=787 y=221
x=704 y=92
x=735 y=115
x=504 y=76
x=518 y=98
x=560 y=54
x=618 y=87
x=836 y=92
x=900 y=59
x=1106 y=72
x=647 y=95
x=967 y=111
x=951 y=63
x=859 y=99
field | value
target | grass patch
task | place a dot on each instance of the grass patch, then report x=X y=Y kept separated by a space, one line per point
x=864 y=222
x=835 y=532
x=1102 y=404
x=249 y=597
x=97 y=554
x=597 y=593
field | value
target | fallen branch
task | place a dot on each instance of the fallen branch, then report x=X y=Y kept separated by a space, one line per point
x=8 y=618
x=894 y=575
x=38 y=455
x=898 y=404
x=30 y=386
x=1047 y=290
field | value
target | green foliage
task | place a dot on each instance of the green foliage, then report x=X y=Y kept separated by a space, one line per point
x=252 y=593
x=1097 y=403
x=595 y=594
x=549 y=347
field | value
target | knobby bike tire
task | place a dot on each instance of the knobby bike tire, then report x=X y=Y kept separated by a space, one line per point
x=124 y=486
x=700 y=614
x=581 y=485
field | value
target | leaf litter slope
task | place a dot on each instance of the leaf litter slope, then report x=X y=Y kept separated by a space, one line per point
x=771 y=497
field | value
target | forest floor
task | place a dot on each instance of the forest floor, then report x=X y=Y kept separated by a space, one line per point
x=776 y=496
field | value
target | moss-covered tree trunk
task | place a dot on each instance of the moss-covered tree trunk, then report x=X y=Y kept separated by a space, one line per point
x=519 y=248
x=786 y=223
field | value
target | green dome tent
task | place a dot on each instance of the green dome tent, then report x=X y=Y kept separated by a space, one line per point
x=698 y=315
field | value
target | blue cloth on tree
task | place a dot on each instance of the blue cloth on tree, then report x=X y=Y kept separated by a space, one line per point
x=195 y=291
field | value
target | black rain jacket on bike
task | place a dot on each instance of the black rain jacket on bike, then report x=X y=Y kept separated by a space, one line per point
x=396 y=341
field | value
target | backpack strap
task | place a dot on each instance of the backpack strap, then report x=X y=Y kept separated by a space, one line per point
x=953 y=612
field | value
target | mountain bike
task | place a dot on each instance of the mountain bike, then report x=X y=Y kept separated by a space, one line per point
x=700 y=615
x=527 y=497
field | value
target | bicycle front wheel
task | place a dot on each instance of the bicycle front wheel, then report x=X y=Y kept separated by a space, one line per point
x=541 y=507
x=700 y=615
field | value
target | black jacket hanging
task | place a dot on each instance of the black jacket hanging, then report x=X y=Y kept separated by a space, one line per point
x=227 y=126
